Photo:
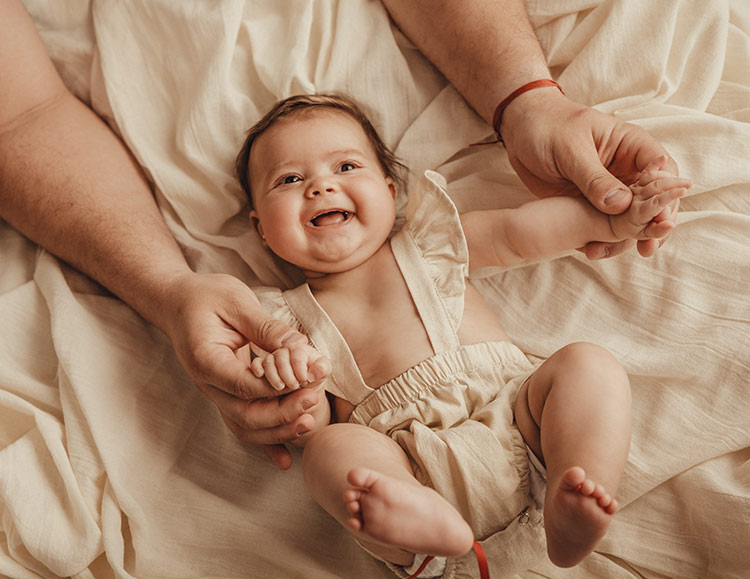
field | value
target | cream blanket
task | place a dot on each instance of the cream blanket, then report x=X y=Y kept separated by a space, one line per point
x=113 y=465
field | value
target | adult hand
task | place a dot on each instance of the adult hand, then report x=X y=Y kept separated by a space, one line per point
x=52 y=147
x=210 y=318
x=559 y=147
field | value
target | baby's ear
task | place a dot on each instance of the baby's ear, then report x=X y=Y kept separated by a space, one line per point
x=392 y=186
x=255 y=220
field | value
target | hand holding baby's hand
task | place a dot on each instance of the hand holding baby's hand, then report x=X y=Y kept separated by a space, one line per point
x=295 y=365
x=649 y=215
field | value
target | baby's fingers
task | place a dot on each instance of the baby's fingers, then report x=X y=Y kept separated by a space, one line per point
x=285 y=368
x=271 y=365
x=256 y=367
x=653 y=183
x=646 y=209
x=299 y=360
x=319 y=370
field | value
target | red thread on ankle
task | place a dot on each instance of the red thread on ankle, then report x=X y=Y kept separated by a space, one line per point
x=498 y=116
x=421 y=567
x=484 y=570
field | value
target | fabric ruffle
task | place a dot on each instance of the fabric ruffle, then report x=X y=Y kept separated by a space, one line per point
x=433 y=223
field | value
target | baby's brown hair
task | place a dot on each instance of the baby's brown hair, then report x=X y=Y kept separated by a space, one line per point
x=389 y=163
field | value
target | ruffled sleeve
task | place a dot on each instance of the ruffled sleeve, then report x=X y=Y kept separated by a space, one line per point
x=437 y=244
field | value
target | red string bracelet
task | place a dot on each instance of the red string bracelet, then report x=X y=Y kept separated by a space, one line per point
x=498 y=116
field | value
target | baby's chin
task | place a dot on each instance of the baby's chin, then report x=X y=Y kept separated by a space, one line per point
x=322 y=272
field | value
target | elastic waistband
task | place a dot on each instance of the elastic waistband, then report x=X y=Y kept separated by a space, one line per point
x=441 y=369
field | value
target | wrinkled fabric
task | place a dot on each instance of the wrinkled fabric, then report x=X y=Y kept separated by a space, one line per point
x=113 y=464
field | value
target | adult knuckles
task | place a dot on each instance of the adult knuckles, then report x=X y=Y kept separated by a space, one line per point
x=255 y=415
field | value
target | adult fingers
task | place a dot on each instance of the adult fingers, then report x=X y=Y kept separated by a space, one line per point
x=648 y=247
x=277 y=434
x=600 y=250
x=217 y=364
x=659 y=230
x=279 y=454
x=605 y=155
x=253 y=417
x=580 y=162
x=244 y=313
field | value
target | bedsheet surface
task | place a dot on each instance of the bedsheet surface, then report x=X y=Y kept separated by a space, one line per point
x=112 y=464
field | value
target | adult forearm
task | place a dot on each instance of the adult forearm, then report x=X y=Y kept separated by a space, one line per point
x=69 y=184
x=485 y=48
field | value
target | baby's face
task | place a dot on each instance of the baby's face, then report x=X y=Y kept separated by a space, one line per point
x=321 y=199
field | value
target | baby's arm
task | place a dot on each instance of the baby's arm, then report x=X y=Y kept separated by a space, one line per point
x=548 y=226
x=296 y=365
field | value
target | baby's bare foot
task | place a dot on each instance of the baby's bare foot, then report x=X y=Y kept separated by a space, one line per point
x=405 y=515
x=576 y=516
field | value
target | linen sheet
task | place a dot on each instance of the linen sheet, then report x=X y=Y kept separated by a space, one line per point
x=112 y=464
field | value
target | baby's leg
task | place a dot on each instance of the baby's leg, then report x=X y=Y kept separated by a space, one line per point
x=574 y=413
x=364 y=480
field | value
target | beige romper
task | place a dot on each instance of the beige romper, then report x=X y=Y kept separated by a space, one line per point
x=453 y=412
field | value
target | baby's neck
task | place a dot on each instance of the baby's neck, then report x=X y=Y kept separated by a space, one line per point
x=360 y=280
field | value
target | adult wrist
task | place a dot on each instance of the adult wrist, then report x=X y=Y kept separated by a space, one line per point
x=515 y=103
x=161 y=300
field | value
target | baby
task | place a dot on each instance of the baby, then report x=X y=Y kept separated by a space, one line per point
x=435 y=425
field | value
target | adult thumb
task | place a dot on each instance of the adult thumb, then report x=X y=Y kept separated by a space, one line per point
x=257 y=325
x=603 y=190
x=270 y=333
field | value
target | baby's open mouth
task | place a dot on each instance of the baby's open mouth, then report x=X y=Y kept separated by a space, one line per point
x=330 y=218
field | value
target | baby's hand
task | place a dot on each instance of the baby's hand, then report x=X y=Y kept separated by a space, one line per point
x=649 y=216
x=295 y=365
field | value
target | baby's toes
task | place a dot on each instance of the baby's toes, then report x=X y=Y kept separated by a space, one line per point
x=362 y=478
x=353 y=507
x=612 y=507
x=604 y=500
x=355 y=523
x=573 y=477
x=352 y=496
x=598 y=491
x=587 y=488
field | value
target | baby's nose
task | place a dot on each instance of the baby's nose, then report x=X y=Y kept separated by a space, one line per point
x=315 y=191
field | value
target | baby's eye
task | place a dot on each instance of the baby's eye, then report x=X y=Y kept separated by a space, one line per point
x=347 y=167
x=290 y=179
